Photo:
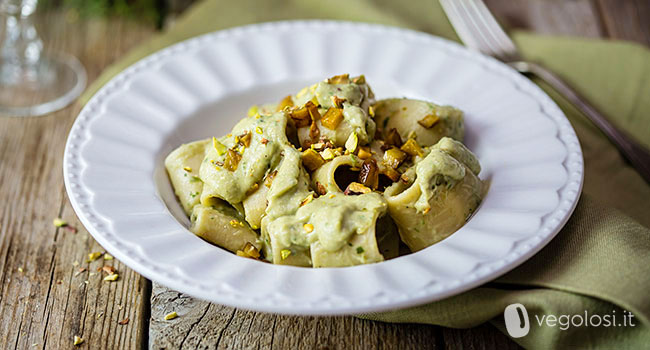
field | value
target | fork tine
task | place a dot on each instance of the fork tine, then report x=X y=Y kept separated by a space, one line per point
x=489 y=25
x=464 y=27
x=478 y=29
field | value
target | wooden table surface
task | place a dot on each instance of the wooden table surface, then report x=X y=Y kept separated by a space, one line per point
x=50 y=293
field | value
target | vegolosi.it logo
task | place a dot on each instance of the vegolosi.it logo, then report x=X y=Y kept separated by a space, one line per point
x=518 y=323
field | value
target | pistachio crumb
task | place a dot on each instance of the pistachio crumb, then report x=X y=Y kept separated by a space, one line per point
x=284 y=253
x=108 y=257
x=258 y=130
x=188 y=169
x=58 y=222
x=170 y=316
x=111 y=278
x=94 y=256
x=78 y=340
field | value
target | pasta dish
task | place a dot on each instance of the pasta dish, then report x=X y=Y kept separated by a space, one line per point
x=330 y=177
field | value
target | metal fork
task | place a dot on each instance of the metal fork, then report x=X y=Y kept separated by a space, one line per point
x=480 y=31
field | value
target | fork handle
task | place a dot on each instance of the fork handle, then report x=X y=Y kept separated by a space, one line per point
x=636 y=154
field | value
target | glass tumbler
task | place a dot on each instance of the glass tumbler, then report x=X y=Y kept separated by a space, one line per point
x=32 y=82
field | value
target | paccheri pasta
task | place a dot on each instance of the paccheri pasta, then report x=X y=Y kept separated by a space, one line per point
x=329 y=177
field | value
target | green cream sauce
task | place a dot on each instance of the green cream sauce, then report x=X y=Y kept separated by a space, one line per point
x=443 y=165
x=335 y=218
x=256 y=160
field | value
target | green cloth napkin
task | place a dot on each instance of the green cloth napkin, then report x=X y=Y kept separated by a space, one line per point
x=600 y=262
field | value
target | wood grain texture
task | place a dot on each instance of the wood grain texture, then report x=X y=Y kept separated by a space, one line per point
x=552 y=17
x=203 y=325
x=628 y=20
x=45 y=299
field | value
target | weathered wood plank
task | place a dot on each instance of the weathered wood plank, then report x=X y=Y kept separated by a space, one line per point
x=49 y=302
x=554 y=17
x=203 y=325
x=628 y=20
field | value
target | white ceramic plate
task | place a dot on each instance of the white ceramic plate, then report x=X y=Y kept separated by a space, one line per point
x=117 y=184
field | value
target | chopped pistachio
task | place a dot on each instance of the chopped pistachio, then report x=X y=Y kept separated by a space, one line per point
x=188 y=169
x=356 y=188
x=332 y=118
x=369 y=174
x=20 y=269
x=269 y=178
x=77 y=340
x=111 y=278
x=285 y=103
x=232 y=160
x=58 y=222
x=258 y=130
x=318 y=146
x=338 y=102
x=251 y=250
x=371 y=111
x=108 y=269
x=221 y=149
x=300 y=117
x=307 y=200
x=312 y=108
x=412 y=148
x=311 y=159
x=170 y=316
x=314 y=132
x=392 y=174
x=339 y=79
x=352 y=142
x=364 y=152
x=284 y=253
x=361 y=79
x=94 y=256
x=393 y=157
x=393 y=138
x=429 y=121
x=245 y=139
x=253 y=110
x=308 y=227
x=328 y=154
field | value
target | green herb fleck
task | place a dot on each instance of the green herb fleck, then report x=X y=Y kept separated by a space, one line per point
x=359 y=250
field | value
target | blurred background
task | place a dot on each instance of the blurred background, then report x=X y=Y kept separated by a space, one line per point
x=523 y=14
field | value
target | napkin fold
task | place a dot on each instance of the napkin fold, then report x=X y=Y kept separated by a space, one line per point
x=598 y=266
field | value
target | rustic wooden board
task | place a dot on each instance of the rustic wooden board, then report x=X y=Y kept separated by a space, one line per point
x=48 y=303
